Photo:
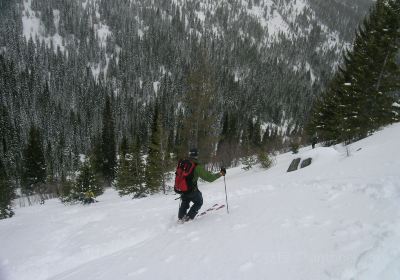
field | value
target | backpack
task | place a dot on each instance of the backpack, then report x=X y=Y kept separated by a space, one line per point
x=184 y=176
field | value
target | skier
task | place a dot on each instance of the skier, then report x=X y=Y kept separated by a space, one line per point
x=195 y=195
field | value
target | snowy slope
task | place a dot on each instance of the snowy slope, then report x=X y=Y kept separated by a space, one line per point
x=337 y=219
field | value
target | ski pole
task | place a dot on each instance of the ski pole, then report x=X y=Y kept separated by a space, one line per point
x=226 y=197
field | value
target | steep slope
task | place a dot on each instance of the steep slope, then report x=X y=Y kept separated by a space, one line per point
x=337 y=219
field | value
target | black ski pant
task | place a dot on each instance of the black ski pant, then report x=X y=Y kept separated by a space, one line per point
x=197 y=198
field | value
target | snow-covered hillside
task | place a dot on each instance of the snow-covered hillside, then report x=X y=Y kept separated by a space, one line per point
x=337 y=219
x=263 y=22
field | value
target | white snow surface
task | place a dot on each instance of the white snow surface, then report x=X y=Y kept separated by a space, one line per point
x=336 y=219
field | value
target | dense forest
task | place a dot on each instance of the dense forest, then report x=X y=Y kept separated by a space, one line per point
x=121 y=84
x=364 y=93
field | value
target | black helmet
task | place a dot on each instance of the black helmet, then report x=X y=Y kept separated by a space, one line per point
x=193 y=153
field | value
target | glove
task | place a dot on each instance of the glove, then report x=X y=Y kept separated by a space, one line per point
x=223 y=171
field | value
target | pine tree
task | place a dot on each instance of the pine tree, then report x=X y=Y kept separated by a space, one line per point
x=124 y=146
x=247 y=147
x=96 y=157
x=108 y=143
x=7 y=194
x=265 y=159
x=326 y=120
x=360 y=98
x=34 y=169
x=50 y=163
x=86 y=187
x=138 y=169
x=200 y=119
x=154 y=169
x=256 y=137
x=229 y=139
x=388 y=70
x=181 y=141
x=9 y=144
x=130 y=175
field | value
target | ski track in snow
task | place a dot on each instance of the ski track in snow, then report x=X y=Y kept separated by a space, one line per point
x=336 y=219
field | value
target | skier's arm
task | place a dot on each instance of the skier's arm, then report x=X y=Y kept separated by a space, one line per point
x=205 y=175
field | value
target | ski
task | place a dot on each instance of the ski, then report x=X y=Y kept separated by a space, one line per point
x=212 y=208
x=215 y=207
x=221 y=206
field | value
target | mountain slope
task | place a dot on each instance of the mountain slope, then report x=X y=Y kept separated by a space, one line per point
x=308 y=35
x=266 y=61
x=337 y=219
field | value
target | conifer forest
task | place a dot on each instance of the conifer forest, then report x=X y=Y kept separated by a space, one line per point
x=100 y=93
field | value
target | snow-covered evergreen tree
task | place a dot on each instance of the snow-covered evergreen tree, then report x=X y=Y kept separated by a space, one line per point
x=130 y=175
x=34 y=168
x=154 y=170
x=86 y=188
x=108 y=143
x=361 y=96
x=7 y=194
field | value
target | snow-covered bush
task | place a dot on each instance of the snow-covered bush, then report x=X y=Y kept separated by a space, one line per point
x=248 y=162
x=265 y=160
x=86 y=188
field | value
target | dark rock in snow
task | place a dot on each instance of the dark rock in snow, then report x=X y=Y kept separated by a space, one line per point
x=306 y=162
x=294 y=165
